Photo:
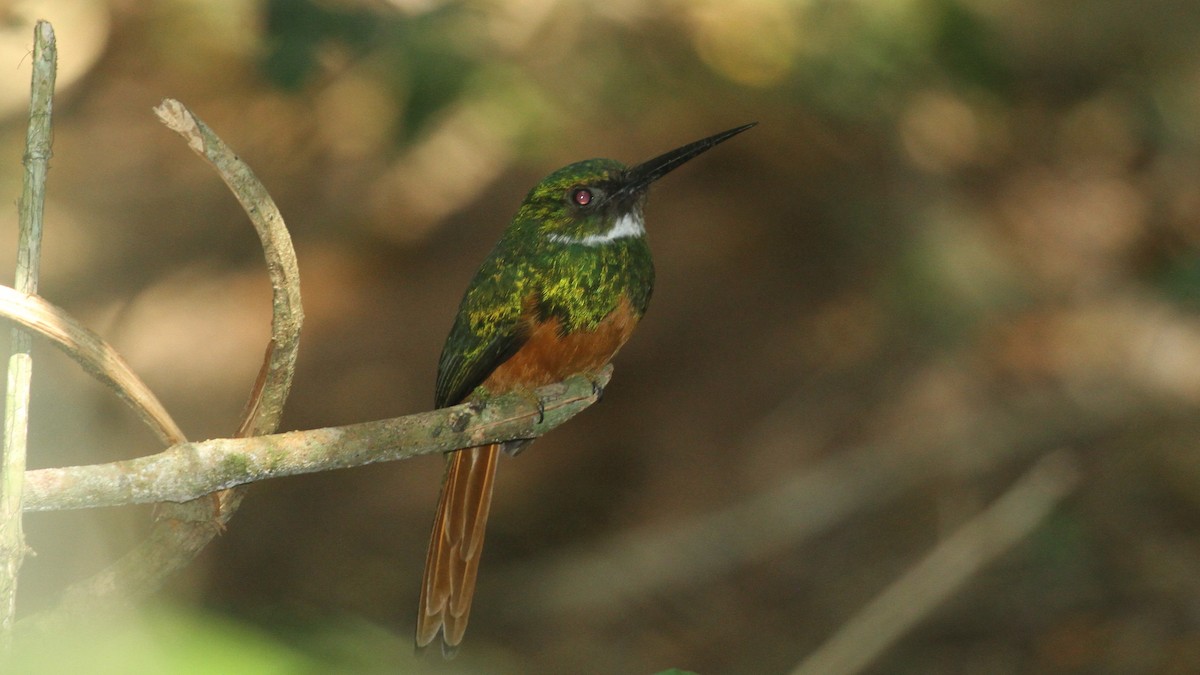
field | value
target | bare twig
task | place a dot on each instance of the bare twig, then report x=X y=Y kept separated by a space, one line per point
x=946 y=568
x=266 y=401
x=93 y=353
x=20 y=364
x=190 y=470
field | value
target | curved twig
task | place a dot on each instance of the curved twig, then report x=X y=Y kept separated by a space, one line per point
x=266 y=401
x=96 y=356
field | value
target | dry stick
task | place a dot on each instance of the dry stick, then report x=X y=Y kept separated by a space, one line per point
x=181 y=530
x=190 y=470
x=946 y=568
x=265 y=407
x=96 y=356
x=20 y=364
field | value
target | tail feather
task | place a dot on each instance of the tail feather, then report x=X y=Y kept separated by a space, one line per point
x=455 y=546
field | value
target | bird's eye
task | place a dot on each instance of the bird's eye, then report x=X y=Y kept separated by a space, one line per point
x=582 y=196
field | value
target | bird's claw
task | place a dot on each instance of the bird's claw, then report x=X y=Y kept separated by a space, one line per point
x=597 y=388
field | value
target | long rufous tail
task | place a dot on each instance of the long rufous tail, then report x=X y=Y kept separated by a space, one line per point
x=455 y=546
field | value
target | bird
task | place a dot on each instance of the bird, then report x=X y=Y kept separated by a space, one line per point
x=558 y=295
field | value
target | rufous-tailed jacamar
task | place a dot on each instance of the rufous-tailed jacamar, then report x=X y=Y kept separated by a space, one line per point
x=558 y=296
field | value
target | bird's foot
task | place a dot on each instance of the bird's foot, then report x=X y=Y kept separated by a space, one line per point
x=533 y=398
x=514 y=447
x=597 y=387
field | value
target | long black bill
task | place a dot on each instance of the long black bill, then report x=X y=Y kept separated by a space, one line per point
x=641 y=176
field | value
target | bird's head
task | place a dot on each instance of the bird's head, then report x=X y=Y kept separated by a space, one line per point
x=598 y=201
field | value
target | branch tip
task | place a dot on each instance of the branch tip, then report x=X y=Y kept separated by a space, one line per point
x=179 y=119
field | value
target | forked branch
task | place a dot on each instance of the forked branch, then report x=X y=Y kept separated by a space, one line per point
x=182 y=530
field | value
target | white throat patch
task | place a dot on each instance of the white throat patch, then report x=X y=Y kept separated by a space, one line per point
x=628 y=225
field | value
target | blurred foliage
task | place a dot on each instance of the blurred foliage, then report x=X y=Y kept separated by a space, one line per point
x=1179 y=280
x=297 y=31
x=970 y=50
x=167 y=641
x=177 y=640
x=424 y=57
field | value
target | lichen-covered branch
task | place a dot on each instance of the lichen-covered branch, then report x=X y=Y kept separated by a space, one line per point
x=191 y=470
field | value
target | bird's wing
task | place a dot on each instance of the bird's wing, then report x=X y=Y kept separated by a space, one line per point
x=488 y=329
x=467 y=361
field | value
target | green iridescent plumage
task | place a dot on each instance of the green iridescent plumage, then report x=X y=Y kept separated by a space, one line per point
x=542 y=265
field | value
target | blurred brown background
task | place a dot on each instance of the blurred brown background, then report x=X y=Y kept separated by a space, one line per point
x=964 y=235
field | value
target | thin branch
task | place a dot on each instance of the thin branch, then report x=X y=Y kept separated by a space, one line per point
x=20 y=364
x=946 y=568
x=96 y=356
x=191 y=470
x=270 y=392
x=37 y=158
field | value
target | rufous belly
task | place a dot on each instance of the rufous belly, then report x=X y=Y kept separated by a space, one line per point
x=547 y=356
